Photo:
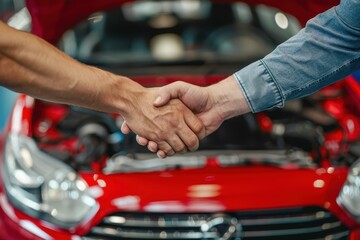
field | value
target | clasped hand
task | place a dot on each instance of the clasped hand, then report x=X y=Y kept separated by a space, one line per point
x=181 y=114
x=173 y=127
x=177 y=129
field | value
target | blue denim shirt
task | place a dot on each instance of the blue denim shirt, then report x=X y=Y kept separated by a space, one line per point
x=326 y=50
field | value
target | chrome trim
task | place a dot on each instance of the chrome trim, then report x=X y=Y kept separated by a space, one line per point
x=227 y=158
x=303 y=223
x=279 y=158
x=273 y=233
x=340 y=235
x=199 y=221
x=125 y=164
x=174 y=222
x=21 y=20
x=113 y=232
x=286 y=220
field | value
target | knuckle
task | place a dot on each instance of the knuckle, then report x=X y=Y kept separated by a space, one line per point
x=154 y=137
x=198 y=128
x=178 y=83
x=174 y=122
x=193 y=142
x=161 y=154
x=180 y=148
x=185 y=151
x=163 y=146
x=169 y=152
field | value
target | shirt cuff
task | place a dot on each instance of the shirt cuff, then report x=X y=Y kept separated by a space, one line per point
x=259 y=87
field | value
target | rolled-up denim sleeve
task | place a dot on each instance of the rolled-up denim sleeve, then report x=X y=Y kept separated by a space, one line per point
x=325 y=51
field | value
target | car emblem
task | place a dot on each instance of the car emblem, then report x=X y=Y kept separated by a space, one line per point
x=222 y=227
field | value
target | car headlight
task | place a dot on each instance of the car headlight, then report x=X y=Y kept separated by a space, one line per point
x=349 y=196
x=43 y=186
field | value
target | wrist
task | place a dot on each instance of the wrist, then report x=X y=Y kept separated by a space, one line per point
x=228 y=98
x=121 y=95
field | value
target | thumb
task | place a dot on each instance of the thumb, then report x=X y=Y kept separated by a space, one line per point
x=168 y=92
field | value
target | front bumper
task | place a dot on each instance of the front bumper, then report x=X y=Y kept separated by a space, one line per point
x=15 y=225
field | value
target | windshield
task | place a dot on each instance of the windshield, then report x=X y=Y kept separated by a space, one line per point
x=178 y=33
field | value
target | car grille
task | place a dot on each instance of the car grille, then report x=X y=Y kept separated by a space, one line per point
x=309 y=223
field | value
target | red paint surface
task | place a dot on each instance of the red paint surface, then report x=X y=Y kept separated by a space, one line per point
x=241 y=188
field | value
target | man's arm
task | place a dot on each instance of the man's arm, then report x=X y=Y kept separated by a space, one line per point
x=30 y=65
x=325 y=51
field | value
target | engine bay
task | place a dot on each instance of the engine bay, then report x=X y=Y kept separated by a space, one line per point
x=320 y=130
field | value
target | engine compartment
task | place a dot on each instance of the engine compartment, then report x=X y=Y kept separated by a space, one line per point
x=320 y=130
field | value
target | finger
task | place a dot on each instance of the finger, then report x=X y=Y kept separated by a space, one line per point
x=173 y=90
x=189 y=139
x=141 y=141
x=177 y=144
x=161 y=154
x=152 y=146
x=166 y=148
x=125 y=129
x=195 y=124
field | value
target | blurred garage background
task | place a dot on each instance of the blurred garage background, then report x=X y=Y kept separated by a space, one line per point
x=78 y=160
x=7 y=97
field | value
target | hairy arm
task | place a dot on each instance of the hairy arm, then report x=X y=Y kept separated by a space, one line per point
x=32 y=66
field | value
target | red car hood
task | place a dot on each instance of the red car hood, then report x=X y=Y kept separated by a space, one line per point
x=51 y=19
x=212 y=190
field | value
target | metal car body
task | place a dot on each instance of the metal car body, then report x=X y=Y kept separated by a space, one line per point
x=68 y=173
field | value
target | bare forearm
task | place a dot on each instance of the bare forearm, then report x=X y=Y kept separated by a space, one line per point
x=30 y=65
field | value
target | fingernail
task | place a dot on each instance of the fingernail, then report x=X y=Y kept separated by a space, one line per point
x=157 y=100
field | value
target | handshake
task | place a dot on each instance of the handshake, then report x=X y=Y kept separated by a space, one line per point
x=174 y=118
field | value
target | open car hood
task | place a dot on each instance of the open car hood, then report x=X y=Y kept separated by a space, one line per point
x=51 y=19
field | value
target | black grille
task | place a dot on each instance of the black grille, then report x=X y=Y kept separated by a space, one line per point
x=308 y=223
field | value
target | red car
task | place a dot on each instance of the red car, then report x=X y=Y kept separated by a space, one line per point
x=291 y=173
